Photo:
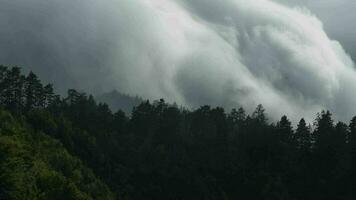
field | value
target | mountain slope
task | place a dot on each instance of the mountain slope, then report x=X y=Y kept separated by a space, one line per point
x=117 y=100
x=36 y=166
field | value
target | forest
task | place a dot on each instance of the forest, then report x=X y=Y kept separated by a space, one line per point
x=72 y=147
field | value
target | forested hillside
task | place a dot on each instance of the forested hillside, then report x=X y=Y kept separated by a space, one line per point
x=72 y=147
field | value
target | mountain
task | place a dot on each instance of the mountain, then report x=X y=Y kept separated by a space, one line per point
x=117 y=100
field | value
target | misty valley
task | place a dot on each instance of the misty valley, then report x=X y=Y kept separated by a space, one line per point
x=177 y=100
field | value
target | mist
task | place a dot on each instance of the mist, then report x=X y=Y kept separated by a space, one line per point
x=224 y=53
x=337 y=16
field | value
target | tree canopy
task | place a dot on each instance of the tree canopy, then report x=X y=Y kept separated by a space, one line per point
x=73 y=147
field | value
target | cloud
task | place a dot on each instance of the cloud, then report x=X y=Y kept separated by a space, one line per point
x=338 y=17
x=194 y=52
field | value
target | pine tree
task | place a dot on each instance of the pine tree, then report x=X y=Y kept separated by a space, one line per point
x=13 y=89
x=72 y=97
x=285 y=130
x=236 y=120
x=259 y=115
x=237 y=116
x=303 y=136
x=3 y=84
x=324 y=130
x=49 y=96
x=33 y=92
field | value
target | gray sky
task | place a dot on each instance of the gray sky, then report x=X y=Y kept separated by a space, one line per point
x=338 y=17
x=228 y=52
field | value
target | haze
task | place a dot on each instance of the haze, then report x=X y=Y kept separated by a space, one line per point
x=285 y=55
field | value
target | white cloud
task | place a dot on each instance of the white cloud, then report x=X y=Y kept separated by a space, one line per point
x=228 y=52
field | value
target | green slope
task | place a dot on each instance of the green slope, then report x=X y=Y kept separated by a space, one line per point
x=35 y=166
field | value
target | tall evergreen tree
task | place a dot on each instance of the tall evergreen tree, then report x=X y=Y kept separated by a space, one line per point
x=13 y=89
x=33 y=92
x=324 y=129
x=49 y=96
x=259 y=115
x=303 y=136
x=3 y=84
x=285 y=130
x=236 y=120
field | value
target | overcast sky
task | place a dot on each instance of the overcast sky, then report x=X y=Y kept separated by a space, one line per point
x=338 y=17
x=288 y=55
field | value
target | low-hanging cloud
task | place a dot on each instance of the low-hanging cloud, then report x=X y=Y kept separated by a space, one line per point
x=229 y=52
x=337 y=16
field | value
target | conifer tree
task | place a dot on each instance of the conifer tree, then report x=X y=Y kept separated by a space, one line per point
x=324 y=129
x=13 y=92
x=33 y=92
x=303 y=136
x=285 y=130
x=259 y=115
x=48 y=95
x=237 y=116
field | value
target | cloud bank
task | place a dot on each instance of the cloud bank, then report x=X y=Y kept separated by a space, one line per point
x=337 y=16
x=193 y=52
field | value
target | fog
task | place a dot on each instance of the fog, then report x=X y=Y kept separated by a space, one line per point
x=338 y=17
x=224 y=53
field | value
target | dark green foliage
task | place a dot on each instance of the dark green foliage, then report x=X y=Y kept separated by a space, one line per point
x=53 y=148
x=303 y=137
x=12 y=88
x=36 y=166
